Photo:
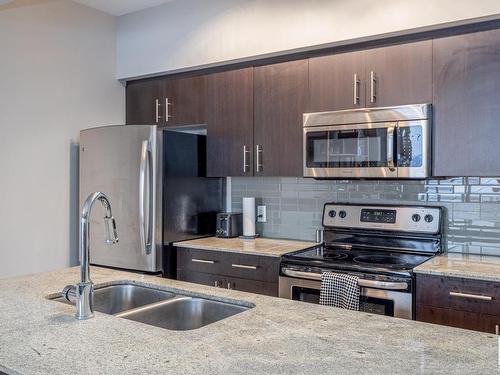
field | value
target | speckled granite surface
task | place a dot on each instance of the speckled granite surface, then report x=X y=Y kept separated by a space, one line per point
x=259 y=246
x=463 y=265
x=39 y=336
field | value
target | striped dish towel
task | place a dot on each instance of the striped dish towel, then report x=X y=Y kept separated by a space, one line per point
x=339 y=290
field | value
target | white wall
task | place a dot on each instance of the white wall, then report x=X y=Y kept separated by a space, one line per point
x=188 y=33
x=57 y=69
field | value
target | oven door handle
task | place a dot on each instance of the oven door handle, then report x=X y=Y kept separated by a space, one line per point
x=390 y=285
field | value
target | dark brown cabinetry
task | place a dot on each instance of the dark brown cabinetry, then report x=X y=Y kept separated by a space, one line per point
x=230 y=123
x=379 y=77
x=183 y=101
x=399 y=74
x=280 y=95
x=166 y=101
x=457 y=302
x=142 y=100
x=337 y=82
x=243 y=272
x=466 y=104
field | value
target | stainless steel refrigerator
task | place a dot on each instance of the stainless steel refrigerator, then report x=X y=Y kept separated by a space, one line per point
x=155 y=180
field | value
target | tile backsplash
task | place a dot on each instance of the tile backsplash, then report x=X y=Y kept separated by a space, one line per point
x=294 y=205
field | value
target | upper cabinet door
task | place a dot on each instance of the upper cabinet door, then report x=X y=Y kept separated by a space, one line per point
x=399 y=74
x=230 y=123
x=336 y=82
x=467 y=104
x=143 y=102
x=280 y=95
x=183 y=101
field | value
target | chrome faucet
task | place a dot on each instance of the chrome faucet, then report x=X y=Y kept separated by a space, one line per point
x=83 y=292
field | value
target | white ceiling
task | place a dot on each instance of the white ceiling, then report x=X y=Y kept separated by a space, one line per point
x=120 y=7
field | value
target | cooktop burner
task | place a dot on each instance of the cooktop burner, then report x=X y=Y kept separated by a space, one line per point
x=357 y=258
x=380 y=259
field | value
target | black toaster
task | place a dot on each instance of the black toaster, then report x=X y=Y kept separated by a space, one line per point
x=229 y=225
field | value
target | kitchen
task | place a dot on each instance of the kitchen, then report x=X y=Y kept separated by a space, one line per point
x=352 y=140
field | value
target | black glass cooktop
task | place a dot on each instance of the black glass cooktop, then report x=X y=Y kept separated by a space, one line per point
x=357 y=258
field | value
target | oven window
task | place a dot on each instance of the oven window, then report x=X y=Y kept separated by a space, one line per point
x=305 y=294
x=376 y=306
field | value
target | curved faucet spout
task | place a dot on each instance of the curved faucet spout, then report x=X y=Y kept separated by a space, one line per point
x=84 y=290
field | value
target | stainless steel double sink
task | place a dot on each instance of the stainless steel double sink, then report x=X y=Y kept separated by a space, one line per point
x=161 y=308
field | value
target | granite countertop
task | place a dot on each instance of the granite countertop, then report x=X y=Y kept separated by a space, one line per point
x=277 y=336
x=480 y=267
x=259 y=246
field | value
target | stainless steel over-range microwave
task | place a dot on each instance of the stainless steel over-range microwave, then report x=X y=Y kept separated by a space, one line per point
x=390 y=142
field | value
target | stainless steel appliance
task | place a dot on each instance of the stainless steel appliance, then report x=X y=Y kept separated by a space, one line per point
x=229 y=225
x=379 y=244
x=155 y=180
x=391 y=142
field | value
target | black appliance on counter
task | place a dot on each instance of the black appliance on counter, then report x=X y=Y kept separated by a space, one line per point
x=380 y=244
x=229 y=225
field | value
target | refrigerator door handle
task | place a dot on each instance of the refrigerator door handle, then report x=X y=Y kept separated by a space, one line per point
x=144 y=199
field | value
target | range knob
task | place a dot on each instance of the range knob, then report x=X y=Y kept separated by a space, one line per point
x=415 y=218
x=332 y=213
x=342 y=214
x=428 y=218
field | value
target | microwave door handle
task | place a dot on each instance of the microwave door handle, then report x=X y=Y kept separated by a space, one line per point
x=390 y=148
x=144 y=189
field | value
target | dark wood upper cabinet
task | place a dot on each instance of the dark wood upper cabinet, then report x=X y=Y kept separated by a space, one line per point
x=380 y=77
x=280 y=95
x=399 y=74
x=140 y=102
x=337 y=82
x=466 y=104
x=183 y=101
x=230 y=123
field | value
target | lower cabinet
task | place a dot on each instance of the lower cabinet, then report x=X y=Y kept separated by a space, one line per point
x=243 y=272
x=458 y=302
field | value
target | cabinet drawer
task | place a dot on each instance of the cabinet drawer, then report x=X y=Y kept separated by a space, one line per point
x=243 y=285
x=243 y=266
x=458 y=294
x=200 y=260
x=459 y=319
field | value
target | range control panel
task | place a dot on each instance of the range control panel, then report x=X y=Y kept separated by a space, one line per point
x=416 y=219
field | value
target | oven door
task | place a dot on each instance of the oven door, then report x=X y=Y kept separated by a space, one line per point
x=377 y=301
x=350 y=151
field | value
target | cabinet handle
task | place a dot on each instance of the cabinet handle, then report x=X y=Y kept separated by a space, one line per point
x=472 y=296
x=216 y=283
x=373 y=82
x=245 y=159
x=244 y=266
x=157 y=111
x=497 y=330
x=259 y=151
x=202 y=261
x=229 y=286
x=168 y=116
x=356 y=89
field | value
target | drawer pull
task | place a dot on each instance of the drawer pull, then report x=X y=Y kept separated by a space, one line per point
x=244 y=266
x=202 y=261
x=472 y=296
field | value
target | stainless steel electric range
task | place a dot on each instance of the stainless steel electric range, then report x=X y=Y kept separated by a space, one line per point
x=379 y=244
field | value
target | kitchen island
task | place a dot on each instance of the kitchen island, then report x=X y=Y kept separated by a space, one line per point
x=277 y=336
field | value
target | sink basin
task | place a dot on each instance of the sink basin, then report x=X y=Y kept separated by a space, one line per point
x=114 y=299
x=160 y=308
x=183 y=313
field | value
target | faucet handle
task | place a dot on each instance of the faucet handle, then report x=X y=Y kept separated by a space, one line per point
x=69 y=293
x=110 y=229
